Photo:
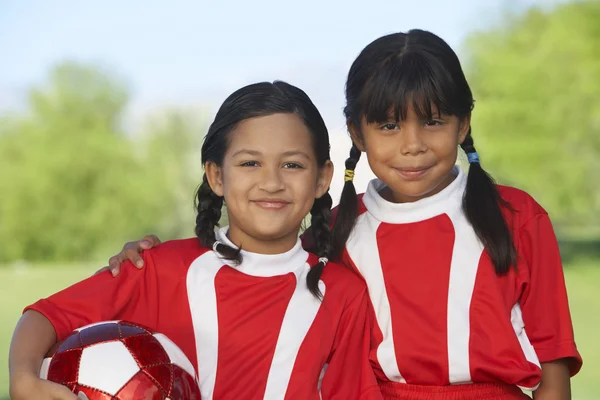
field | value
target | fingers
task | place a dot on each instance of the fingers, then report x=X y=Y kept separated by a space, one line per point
x=114 y=264
x=150 y=241
x=101 y=270
x=131 y=251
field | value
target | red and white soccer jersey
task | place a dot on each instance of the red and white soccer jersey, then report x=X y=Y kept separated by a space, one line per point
x=252 y=331
x=443 y=315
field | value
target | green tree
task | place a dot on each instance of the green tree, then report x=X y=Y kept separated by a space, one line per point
x=73 y=184
x=536 y=80
x=172 y=139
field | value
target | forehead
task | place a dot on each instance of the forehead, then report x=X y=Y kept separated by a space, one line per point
x=276 y=133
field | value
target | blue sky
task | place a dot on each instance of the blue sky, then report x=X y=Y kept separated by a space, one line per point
x=198 y=51
x=194 y=53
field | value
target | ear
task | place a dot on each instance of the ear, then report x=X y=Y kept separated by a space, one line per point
x=214 y=175
x=463 y=128
x=324 y=179
x=355 y=135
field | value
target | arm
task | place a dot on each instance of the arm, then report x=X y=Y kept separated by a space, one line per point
x=546 y=309
x=34 y=336
x=98 y=298
x=556 y=382
x=349 y=374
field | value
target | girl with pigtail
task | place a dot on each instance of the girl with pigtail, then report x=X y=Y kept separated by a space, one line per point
x=258 y=316
x=464 y=275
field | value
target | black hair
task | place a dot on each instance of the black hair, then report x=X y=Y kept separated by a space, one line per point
x=258 y=100
x=419 y=69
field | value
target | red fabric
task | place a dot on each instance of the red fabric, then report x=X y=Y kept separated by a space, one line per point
x=250 y=310
x=482 y=391
x=414 y=258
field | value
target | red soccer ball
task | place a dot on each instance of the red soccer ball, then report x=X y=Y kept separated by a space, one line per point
x=118 y=360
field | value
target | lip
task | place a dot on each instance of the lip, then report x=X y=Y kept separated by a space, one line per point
x=271 y=204
x=413 y=173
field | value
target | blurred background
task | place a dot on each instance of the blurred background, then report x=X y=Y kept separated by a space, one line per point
x=103 y=107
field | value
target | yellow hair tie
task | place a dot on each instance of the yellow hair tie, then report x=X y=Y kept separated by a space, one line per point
x=348 y=175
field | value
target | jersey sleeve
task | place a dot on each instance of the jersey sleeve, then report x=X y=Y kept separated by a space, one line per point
x=544 y=301
x=349 y=374
x=132 y=295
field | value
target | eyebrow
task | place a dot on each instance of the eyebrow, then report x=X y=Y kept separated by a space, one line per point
x=246 y=151
x=258 y=153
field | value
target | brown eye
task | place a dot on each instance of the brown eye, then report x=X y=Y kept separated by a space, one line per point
x=292 y=165
x=389 y=126
x=250 y=164
x=434 y=122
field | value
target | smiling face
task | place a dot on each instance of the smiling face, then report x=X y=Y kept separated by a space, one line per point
x=269 y=179
x=415 y=156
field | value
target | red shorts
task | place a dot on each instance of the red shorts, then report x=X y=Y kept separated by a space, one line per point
x=479 y=391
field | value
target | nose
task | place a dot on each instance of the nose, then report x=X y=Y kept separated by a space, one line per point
x=271 y=180
x=412 y=140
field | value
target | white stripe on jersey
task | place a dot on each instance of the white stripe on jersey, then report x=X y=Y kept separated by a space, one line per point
x=466 y=253
x=299 y=316
x=202 y=299
x=516 y=319
x=364 y=251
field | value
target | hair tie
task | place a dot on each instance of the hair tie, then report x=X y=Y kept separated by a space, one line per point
x=473 y=157
x=348 y=175
x=323 y=260
x=215 y=245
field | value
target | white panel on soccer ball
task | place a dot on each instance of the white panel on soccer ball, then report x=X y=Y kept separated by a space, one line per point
x=175 y=354
x=107 y=366
x=44 y=368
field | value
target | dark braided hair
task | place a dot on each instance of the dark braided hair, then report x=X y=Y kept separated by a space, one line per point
x=347 y=209
x=258 y=100
x=418 y=68
x=481 y=204
x=209 y=207
x=320 y=221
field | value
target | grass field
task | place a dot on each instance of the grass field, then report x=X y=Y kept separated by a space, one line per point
x=22 y=286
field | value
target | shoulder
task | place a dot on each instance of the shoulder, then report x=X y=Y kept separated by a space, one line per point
x=172 y=253
x=341 y=280
x=521 y=205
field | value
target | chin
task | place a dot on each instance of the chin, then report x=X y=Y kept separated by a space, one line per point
x=270 y=233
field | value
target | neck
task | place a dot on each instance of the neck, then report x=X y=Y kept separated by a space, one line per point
x=262 y=245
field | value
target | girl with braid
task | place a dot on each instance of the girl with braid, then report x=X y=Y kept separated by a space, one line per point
x=464 y=275
x=259 y=316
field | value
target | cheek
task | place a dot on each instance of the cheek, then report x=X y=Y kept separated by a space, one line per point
x=445 y=145
x=235 y=184
x=304 y=187
x=380 y=150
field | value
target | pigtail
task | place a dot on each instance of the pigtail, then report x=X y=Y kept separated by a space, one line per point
x=348 y=207
x=482 y=206
x=320 y=221
x=209 y=207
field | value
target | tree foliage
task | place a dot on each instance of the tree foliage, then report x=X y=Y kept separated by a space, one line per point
x=536 y=80
x=74 y=185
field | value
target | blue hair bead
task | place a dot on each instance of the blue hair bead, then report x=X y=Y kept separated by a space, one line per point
x=473 y=157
